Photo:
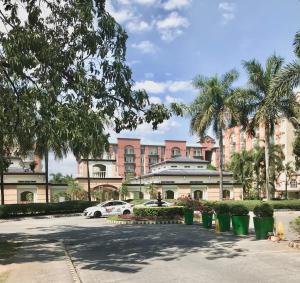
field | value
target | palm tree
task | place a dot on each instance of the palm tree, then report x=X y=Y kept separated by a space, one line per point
x=241 y=164
x=259 y=106
x=214 y=107
x=258 y=158
x=124 y=190
x=289 y=76
x=57 y=178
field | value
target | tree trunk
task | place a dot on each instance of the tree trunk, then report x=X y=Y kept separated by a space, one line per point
x=286 y=187
x=89 y=181
x=267 y=160
x=221 y=165
x=47 y=174
x=2 y=186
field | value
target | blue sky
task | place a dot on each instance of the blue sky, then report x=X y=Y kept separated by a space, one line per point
x=171 y=41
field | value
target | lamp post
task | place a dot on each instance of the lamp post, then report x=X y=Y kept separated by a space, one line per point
x=140 y=196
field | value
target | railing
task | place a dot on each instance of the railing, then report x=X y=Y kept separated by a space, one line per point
x=100 y=174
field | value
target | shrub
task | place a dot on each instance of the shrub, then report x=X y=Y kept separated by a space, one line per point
x=11 y=210
x=188 y=203
x=222 y=208
x=239 y=210
x=263 y=210
x=159 y=212
x=207 y=207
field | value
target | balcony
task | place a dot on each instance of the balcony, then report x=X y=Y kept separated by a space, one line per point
x=100 y=174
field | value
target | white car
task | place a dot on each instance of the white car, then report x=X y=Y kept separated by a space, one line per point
x=151 y=203
x=107 y=208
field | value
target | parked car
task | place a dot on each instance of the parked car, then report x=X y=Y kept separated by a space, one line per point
x=151 y=203
x=107 y=208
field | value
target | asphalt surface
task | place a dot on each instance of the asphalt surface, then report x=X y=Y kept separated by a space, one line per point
x=103 y=252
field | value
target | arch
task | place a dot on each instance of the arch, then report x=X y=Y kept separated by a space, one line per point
x=105 y=192
x=175 y=151
x=129 y=149
x=226 y=194
x=27 y=196
x=198 y=194
x=169 y=194
x=99 y=170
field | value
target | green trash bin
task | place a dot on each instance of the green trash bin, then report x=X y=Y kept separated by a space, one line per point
x=263 y=226
x=188 y=216
x=224 y=222
x=240 y=224
x=207 y=219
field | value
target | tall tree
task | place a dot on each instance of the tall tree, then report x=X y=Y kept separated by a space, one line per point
x=260 y=109
x=241 y=164
x=66 y=56
x=289 y=77
x=214 y=107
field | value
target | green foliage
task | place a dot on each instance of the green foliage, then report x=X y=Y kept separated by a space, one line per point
x=239 y=210
x=211 y=167
x=58 y=178
x=263 y=210
x=188 y=203
x=151 y=189
x=295 y=224
x=207 y=207
x=66 y=195
x=12 y=210
x=222 y=208
x=124 y=190
x=159 y=212
x=76 y=191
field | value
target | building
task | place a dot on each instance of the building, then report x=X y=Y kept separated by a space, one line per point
x=131 y=158
x=235 y=140
x=24 y=181
x=183 y=176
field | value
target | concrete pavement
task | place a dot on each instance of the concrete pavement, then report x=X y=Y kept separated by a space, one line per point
x=104 y=252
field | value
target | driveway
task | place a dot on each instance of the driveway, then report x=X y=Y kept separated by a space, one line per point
x=103 y=252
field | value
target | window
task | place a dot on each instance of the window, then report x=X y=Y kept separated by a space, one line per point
x=200 y=166
x=169 y=194
x=186 y=166
x=142 y=150
x=293 y=184
x=153 y=160
x=129 y=149
x=174 y=166
x=197 y=152
x=129 y=168
x=27 y=196
x=198 y=195
x=129 y=159
x=118 y=203
x=232 y=143
x=175 y=152
x=226 y=194
x=153 y=150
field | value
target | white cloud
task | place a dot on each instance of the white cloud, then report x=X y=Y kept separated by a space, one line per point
x=228 y=10
x=155 y=100
x=175 y=4
x=68 y=165
x=172 y=26
x=139 y=26
x=145 y=46
x=171 y=99
x=151 y=86
x=121 y=16
x=162 y=87
x=146 y=2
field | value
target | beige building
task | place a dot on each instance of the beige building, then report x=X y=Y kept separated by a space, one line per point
x=181 y=177
x=23 y=184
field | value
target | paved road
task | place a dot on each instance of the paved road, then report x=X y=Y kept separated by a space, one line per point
x=104 y=252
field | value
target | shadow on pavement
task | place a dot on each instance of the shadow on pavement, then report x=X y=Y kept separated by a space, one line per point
x=124 y=248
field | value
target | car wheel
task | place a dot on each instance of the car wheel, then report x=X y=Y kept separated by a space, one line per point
x=126 y=212
x=97 y=214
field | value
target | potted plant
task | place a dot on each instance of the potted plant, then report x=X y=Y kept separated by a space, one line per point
x=223 y=216
x=263 y=220
x=207 y=211
x=240 y=219
x=189 y=207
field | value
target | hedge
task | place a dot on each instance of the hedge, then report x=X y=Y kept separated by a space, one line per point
x=160 y=212
x=12 y=210
x=276 y=204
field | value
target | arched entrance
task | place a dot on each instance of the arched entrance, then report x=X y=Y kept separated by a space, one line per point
x=105 y=192
x=198 y=194
x=169 y=194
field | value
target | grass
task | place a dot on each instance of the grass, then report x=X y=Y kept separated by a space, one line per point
x=8 y=250
x=4 y=276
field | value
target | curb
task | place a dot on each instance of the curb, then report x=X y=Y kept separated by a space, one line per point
x=294 y=244
x=146 y=222
x=49 y=216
